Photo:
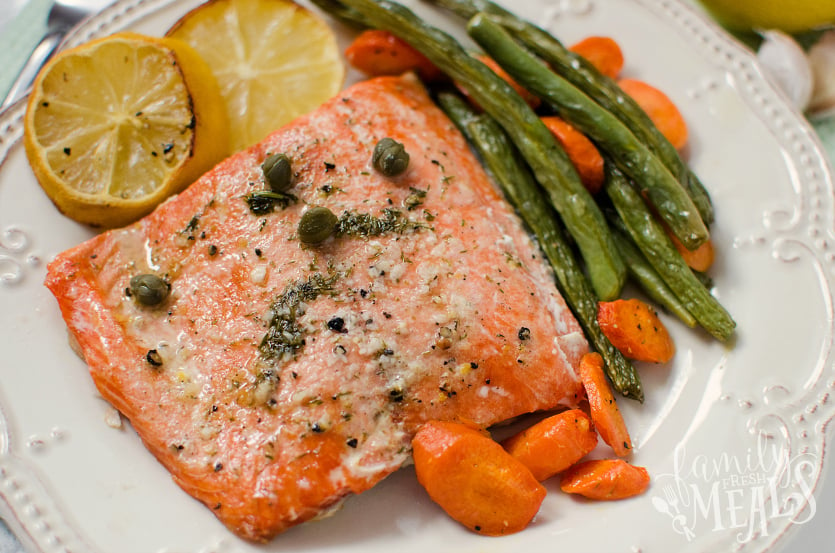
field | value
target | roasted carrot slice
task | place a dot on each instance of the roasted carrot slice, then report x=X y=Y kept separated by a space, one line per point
x=531 y=99
x=604 y=409
x=635 y=329
x=474 y=480
x=582 y=152
x=605 y=479
x=553 y=444
x=700 y=259
x=378 y=53
x=603 y=52
x=659 y=108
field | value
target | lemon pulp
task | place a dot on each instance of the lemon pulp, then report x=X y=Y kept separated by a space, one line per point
x=116 y=125
x=273 y=59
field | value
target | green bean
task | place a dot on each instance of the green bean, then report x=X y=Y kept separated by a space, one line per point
x=649 y=280
x=603 y=90
x=550 y=164
x=637 y=220
x=503 y=162
x=671 y=201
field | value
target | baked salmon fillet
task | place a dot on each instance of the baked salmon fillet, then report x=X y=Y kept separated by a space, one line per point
x=277 y=378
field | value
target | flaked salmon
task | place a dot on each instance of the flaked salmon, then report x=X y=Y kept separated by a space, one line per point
x=277 y=378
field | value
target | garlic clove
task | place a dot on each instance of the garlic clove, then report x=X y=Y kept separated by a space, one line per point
x=786 y=64
x=822 y=60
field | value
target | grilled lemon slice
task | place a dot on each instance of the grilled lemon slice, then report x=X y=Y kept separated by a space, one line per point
x=116 y=125
x=273 y=59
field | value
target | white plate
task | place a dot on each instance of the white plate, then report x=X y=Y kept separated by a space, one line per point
x=733 y=436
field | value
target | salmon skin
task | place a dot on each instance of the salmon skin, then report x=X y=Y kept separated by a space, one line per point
x=278 y=378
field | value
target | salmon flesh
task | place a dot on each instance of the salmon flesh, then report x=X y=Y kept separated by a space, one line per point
x=277 y=378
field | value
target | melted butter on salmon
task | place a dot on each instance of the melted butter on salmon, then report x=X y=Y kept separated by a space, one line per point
x=453 y=315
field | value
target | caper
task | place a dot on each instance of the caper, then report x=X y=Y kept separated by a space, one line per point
x=277 y=172
x=316 y=225
x=149 y=289
x=390 y=157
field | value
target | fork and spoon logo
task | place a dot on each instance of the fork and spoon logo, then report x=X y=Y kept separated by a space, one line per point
x=669 y=505
x=729 y=493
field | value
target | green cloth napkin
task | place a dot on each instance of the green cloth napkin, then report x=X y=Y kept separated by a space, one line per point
x=19 y=38
x=825 y=127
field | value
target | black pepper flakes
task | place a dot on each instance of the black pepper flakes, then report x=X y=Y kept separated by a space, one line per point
x=218 y=466
x=524 y=333
x=192 y=224
x=337 y=324
x=212 y=250
x=352 y=442
x=153 y=358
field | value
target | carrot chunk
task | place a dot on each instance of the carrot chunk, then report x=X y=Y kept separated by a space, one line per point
x=474 y=480
x=553 y=444
x=582 y=152
x=604 y=409
x=605 y=479
x=660 y=109
x=603 y=53
x=635 y=329
x=700 y=259
x=378 y=53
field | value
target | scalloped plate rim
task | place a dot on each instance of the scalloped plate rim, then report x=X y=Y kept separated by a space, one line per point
x=737 y=61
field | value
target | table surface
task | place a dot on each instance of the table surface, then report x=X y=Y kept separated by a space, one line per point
x=16 y=40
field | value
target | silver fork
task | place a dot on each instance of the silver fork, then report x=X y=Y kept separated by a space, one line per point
x=63 y=16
